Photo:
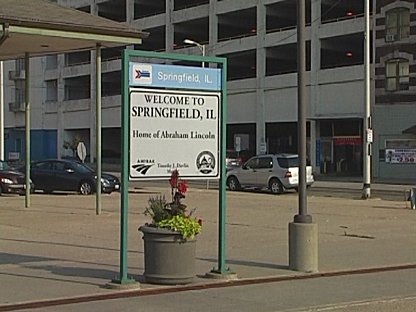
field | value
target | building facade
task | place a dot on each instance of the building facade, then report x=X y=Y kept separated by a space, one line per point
x=258 y=38
x=394 y=116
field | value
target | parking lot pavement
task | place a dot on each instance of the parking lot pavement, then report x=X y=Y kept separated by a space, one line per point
x=60 y=248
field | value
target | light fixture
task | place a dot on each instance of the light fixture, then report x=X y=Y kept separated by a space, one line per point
x=200 y=46
x=189 y=41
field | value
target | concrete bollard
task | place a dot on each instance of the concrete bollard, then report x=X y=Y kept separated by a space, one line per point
x=303 y=247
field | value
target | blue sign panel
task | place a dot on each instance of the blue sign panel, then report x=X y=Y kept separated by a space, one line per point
x=174 y=76
x=318 y=153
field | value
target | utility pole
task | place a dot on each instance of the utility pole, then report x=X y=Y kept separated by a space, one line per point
x=303 y=233
x=367 y=130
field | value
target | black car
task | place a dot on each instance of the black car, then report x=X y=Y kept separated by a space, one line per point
x=11 y=181
x=69 y=175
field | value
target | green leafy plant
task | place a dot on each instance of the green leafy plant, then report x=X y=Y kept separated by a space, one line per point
x=174 y=215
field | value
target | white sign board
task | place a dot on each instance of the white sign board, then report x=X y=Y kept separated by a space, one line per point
x=14 y=156
x=81 y=151
x=401 y=156
x=370 y=135
x=237 y=143
x=174 y=130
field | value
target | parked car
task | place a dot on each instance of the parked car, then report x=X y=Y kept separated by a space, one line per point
x=12 y=181
x=69 y=175
x=277 y=172
x=232 y=159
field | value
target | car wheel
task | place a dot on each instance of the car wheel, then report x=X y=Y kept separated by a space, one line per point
x=85 y=188
x=276 y=186
x=233 y=184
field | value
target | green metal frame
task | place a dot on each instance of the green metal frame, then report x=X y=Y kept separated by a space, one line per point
x=127 y=55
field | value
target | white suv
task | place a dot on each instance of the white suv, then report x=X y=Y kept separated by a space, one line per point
x=276 y=172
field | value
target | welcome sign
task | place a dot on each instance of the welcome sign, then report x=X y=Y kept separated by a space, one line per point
x=172 y=129
x=175 y=76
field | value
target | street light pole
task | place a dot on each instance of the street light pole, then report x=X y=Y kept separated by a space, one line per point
x=303 y=216
x=303 y=233
x=202 y=48
x=367 y=131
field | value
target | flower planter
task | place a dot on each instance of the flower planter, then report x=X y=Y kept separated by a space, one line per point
x=168 y=258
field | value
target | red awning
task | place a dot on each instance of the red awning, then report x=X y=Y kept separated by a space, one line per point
x=348 y=141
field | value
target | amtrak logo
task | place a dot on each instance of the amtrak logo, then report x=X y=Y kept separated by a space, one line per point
x=205 y=162
x=142 y=73
x=142 y=168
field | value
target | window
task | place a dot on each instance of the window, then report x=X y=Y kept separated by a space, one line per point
x=397 y=75
x=397 y=24
x=77 y=58
x=400 y=143
x=42 y=166
x=77 y=88
x=253 y=163
x=52 y=90
x=52 y=62
x=288 y=162
x=265 y=163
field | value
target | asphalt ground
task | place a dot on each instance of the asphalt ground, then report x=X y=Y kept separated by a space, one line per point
x=59 y=249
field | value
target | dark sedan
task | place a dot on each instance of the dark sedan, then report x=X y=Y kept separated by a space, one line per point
x=11 y=181
x=69 y=175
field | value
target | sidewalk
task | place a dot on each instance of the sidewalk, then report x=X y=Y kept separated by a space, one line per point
x=59 y=247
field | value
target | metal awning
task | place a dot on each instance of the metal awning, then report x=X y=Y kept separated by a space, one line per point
x=411 y=130
x=40 y=27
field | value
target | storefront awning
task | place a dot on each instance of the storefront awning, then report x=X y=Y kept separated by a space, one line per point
x=42 y=27
x=411 y=130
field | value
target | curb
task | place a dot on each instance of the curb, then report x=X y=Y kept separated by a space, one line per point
x=200 y=286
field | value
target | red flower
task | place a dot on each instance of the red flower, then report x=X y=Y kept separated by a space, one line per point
x=182 y=187
x=174 y=178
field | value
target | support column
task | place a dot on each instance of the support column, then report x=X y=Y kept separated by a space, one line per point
x=129 y=11
x=169 y=31
x=315 y=88
x=98 y=125
x=261 y=142
x=60 y=120
x=27 y=128
x=1 y=112
x=213 y=27
x=93 y=99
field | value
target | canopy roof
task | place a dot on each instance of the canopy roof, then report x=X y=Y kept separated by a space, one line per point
x=411 y=130
x=41 y=27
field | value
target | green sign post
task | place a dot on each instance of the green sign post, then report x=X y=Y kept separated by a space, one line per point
x=192 y=80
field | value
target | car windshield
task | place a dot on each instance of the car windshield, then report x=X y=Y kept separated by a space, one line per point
x=288 y=162
x=4 y=166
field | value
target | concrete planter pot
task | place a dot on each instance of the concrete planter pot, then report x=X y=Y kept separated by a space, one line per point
x=168 y=258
